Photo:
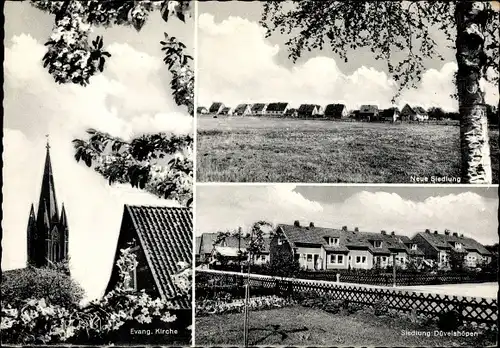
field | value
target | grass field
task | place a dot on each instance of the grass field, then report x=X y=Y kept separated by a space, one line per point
x=279 y=150
x=302 y=326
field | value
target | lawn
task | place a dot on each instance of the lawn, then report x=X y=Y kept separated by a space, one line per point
x=302 y=326
x=286 y=150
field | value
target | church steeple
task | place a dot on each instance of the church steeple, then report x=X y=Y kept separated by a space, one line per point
x=48 y=231
x=48 y=192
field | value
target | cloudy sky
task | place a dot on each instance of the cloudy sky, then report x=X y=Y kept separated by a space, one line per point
x=406 y=210
x=131 y=97
x=238 y=64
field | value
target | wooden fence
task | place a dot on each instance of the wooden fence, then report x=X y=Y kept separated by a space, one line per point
x=478 y=310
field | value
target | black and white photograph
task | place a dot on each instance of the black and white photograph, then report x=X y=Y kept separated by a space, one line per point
x=302 y=265
x=348 y=92
x=97 y=225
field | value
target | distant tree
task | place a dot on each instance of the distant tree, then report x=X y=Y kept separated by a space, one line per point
x=49 y=283
x=436 y=112
x=457 y=261
x=406 y=26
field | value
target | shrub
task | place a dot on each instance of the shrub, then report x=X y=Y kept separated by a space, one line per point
x=52 y=284
x=102 y=321
x=209 y=307
x=449 y=321
x=381 y=307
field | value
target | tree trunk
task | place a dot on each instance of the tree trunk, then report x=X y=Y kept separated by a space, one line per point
x=474 y=144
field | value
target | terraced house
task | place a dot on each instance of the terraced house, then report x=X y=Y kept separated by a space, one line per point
x=327 y=248
x=440 y=247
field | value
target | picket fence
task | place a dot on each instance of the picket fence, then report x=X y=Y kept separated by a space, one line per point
x=472 y=309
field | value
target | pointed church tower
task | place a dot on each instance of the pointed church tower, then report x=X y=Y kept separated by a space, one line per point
x=48 y=231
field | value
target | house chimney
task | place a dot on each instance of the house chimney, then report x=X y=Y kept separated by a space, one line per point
x=455 y=234
x=356 y=229
x=435 y=232
x=296 y=223
x=461 y=235
x=311 y=224
x=383 y=232
x=344 y=228
x=393 y=233
x=447 y=232
x=427 y=230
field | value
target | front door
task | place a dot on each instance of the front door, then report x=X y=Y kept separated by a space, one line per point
x=316 y=257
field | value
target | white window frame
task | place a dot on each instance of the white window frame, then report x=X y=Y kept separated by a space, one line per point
x=414 y=247
x=307 y=257
x=333 y=241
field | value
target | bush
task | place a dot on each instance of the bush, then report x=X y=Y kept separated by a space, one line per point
x=449 y=321
x=53 y=285
x=381 y=308
x=209 y=307
x=104 y=321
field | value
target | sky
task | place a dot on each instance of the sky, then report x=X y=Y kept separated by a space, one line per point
x=405 y=210
x=239 y=65
x=131 y=97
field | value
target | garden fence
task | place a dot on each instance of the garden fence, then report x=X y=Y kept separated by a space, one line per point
x=471 y=310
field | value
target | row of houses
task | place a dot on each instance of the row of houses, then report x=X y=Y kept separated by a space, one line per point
x=318 y=248
x=331 y=111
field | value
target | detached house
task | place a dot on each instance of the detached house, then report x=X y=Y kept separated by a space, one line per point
x=216 y=108
x=226 y=111
x=309 y=110
x=416 y=113
x=276 y=109
x=337 y=111
x=293 y=113
x=440 y=246
x=201 y=110
x=327 y=248
x=259 y=109
x=389 y=115
x=242 y=110
x=230 y=248
x=368 y=112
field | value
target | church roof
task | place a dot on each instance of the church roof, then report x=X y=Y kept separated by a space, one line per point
x=165 y=234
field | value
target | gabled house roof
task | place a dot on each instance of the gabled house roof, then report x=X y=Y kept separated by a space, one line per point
x=318 y=236
x=420 y=110
x=215 y=107
x=241 y=108
x=442 y=241
x=225 y=111
x=334 y=109
x=307 y=108
x=207 y=243
x=277 y=107
x=258 y=107
x=389 y=113
x=165 y=236
x=368 y=109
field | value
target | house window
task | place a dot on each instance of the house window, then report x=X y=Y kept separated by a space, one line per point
x=131 y=283
x=309 y=257
x=333 y=241
x=263 y=257
x=377 y=243
x=360 y=259
x=384 y=258
x=414 y=247
x=337 y=259
x=280 y=241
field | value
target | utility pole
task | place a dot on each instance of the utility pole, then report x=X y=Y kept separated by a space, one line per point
x=394 y=270
x=247 y=294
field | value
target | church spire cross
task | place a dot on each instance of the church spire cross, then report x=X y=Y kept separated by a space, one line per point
x=48 y=145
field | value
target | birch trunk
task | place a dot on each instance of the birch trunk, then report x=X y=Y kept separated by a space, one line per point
x=474 y=144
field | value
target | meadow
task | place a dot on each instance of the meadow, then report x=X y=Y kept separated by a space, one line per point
x=237 y=149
